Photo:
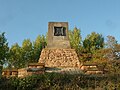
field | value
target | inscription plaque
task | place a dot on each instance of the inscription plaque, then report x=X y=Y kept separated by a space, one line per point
x=59 y=31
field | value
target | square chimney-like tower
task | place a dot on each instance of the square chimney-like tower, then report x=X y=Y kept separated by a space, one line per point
x=58 y=35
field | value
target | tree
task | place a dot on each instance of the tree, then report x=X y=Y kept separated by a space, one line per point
x=114 y=48
x=111 y=42
x=4 y=49
x=75 y=39
x=93 y=42
x=117 y=51
x=27 y=52
x=15 y=59
x=38 y=45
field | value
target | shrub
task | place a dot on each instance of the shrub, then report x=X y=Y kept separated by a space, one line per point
x=57 y=81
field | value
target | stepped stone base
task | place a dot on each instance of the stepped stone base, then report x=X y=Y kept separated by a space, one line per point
x=59 y=58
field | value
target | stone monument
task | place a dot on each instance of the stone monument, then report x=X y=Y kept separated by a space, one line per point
x=58 y=52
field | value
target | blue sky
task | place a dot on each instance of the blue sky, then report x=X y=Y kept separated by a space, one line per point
x=22 y=19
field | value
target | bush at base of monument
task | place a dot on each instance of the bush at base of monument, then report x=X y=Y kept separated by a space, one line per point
x=55 y=81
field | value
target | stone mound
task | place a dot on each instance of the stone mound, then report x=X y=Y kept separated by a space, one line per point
x=59 y=58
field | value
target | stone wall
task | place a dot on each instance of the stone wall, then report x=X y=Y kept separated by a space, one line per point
x=22 y=72
x=33 y=68
x=59 y=58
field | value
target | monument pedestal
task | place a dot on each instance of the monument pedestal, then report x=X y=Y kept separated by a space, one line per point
x=59 y=58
